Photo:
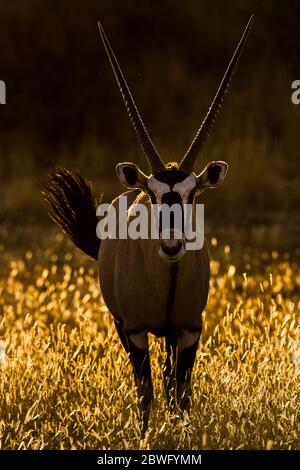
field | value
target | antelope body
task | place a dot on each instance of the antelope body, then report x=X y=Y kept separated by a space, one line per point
x=149 y=285
x=135 y=279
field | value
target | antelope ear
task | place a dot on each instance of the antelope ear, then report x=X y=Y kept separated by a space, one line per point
x=212 y=176
x=131 y=176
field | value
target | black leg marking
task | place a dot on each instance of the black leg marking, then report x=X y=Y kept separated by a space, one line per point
x=185 y=362
x=140 y=359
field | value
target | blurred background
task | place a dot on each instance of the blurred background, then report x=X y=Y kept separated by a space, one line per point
x=64 y=108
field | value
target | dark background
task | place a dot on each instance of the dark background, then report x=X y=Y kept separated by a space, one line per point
x=63 y=105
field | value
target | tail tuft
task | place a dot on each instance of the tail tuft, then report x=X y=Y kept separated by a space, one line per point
x=73 y=209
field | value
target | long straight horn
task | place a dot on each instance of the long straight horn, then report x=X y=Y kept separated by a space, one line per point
x=152 y=156
x=189 y=160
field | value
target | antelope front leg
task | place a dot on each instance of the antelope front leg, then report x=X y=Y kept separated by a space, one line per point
x=140 y=359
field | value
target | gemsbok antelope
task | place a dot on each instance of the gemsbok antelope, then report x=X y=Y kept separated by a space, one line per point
x=149 y=285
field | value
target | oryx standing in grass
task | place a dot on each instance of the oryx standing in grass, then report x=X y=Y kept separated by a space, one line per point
x=149 y=285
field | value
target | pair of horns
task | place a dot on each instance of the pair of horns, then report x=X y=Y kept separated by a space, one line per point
x=153 y=158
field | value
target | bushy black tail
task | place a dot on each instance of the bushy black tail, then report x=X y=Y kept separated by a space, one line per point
x=74 y=209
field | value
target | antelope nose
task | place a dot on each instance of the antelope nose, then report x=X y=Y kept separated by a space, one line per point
x=171 y=247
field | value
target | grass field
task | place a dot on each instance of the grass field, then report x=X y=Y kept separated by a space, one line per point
x=66 y=383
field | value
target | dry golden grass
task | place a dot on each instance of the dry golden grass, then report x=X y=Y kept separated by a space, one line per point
x=67 y=383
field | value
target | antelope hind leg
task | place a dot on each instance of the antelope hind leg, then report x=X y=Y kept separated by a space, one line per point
x=181 y=353
x=169 y=371
x=186 y=353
